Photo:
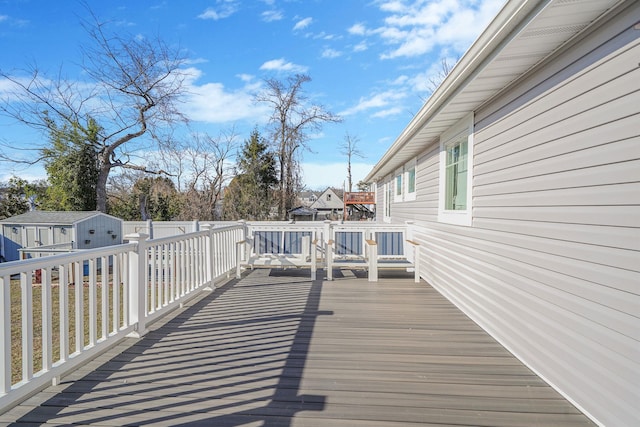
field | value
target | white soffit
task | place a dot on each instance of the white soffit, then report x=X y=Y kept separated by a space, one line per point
x=546 y=27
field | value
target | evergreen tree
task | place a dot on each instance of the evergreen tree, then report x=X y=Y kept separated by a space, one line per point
x=250 y=194
x=71 y=162
x=14 y=198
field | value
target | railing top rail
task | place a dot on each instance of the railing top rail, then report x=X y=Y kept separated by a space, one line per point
x=359 y=225
x=52 y=246
x=282 y=223
x=46 y=250
x=179 y=237
x=16 y=267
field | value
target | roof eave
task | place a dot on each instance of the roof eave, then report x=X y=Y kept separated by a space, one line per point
x=514 y=14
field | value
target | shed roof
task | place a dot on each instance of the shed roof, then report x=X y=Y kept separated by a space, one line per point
x=303 y=210
x=523 y=35
x=53 y=217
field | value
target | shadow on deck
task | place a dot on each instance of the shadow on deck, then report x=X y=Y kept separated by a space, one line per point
x=276 y=349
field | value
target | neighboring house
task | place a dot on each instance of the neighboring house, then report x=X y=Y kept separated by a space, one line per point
x=307 y=198
x=62 y=230
x=522 y=175
x=329 y=205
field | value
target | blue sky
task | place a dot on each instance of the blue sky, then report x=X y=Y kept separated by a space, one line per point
x=370 y=61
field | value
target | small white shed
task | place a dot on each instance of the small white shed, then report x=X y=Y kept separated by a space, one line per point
x=57 y=230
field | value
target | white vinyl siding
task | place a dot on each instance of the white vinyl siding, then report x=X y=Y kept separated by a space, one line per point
x=550 y=267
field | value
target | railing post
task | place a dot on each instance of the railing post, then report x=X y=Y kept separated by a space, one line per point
x=137 y=284
x=314 y=259
x=410 y=227
x=372 y=256
x=416 y=263
x=241 y=248
x=209 y=254
x=327 y=242
x=415 y=250
x=5 y=334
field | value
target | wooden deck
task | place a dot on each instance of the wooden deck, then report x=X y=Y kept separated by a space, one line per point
x=280 y=350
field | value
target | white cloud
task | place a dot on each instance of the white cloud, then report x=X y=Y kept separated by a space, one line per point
x=392 y=6
x=378 y=100
x=331 y=53
x=387 y=113
x=417 y=28
x=224 y=9
x=11 y=91
x=272 y=15
x=245 y=77
x=319 y=176
x=281 y=65
x=427 y=80
x=196 y=61
x=323 y=36
x=213 y=103
x=361 y=47
x=302 y=24
x=32 y=174
x=357 y=29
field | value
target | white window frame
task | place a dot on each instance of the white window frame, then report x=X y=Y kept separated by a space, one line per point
x=387 y=197
x=412 y=165
x=462 y=129
x=399 y=175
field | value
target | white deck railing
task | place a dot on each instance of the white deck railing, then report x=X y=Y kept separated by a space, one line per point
x=123 y=288
x=77 y=305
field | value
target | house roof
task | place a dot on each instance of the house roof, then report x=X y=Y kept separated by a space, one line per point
x=307 y=194
x=521 y=36
x=335 y=202
x=52 y=217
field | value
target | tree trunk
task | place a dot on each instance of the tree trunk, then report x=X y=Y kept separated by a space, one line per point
x=101 y=188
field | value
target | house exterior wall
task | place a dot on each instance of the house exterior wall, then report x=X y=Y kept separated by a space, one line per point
x=551 y=263
x=329 y=205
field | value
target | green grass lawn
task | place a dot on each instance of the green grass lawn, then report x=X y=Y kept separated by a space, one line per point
x=16 y=322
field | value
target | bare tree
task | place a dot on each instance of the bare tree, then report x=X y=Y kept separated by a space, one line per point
x=292 y=117
x=349 y=148
x=446 y=65
x=208 y=171
x=134 y=87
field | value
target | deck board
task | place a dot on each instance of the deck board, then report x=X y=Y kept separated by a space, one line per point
x=276 y=349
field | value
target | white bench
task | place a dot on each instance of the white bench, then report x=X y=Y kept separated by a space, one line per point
x=248 y=257
x=408 y=259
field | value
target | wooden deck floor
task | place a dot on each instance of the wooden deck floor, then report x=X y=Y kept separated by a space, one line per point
x=280 y=350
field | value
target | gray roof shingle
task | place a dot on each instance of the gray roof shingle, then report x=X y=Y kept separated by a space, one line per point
x=50 y=217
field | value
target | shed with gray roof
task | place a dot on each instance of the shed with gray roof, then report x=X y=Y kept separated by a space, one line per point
x=57 y=231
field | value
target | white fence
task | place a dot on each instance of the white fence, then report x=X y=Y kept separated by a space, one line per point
x=157 y=229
